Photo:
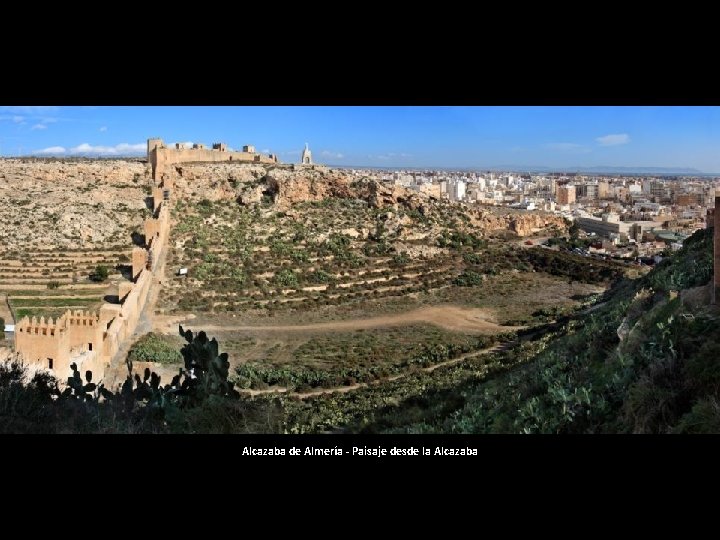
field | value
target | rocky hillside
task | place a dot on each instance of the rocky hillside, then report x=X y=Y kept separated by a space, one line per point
x=284 y=188
x=57 y=204
x=646 y=359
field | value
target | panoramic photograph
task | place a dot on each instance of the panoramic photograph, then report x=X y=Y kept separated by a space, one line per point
x=359 y=270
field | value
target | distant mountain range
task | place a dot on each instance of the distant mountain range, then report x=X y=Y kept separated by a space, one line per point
x=642 y=170
x=526 y=168
x=603 y=169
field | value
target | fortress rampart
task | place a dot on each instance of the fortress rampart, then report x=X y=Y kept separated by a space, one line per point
x=92 y=339
x=160 y=157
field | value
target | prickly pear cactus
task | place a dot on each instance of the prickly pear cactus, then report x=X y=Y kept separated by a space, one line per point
x=207 y=368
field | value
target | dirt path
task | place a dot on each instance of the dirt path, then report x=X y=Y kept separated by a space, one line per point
x=5 y=312
x=344 y=389
x=449 y=317
x=536 y=241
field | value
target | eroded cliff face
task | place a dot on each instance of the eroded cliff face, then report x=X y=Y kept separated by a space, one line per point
x=291 y=187
x=528 y=223
x=284 y=188
x=519 y=222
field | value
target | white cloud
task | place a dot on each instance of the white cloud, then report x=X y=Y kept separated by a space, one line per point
x=39 y=126
x=333 y=155
x=613 y=139
x=131 y=148
x=18 y=119
x=104 y=128
x=118 y=149
x=52 y=150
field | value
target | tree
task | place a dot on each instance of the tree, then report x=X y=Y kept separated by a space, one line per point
x=100 y=274
x=574 y=230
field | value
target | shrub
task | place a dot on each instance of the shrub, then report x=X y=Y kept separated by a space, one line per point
x=286 y=278
x=154 y=348
x=100 y=274
x=53 y=285
x=401 y=259
x=468 y=279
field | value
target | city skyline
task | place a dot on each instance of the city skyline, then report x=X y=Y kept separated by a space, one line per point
x=414 y=137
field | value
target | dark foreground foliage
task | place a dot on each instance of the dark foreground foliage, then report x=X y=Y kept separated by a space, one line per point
x=198 y=400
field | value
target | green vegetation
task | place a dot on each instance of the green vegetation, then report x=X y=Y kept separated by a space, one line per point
x=577 y=267
x=100 y=274
x=74 y=293
x=71 y=301
x=286 y=278
x=53 y=285
x=663 y=377
x=469 y=279
x=659 y=374
x=361 y=357
x=154 y=348
x=240 y=258
x=457 y=240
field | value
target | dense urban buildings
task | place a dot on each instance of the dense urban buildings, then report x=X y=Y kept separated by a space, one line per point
x=629 y=215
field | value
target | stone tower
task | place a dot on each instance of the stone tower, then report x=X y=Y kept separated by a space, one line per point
x=306 y=156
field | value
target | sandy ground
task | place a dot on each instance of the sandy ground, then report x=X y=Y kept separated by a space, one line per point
x=449 y=317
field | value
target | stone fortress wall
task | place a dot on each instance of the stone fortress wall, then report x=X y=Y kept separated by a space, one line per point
x=160 y=156
x=92 y=339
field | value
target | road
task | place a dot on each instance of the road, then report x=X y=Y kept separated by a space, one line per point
x=535 y=241
x=449 y=317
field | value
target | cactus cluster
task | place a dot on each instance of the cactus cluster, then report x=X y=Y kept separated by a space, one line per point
x=207 y=370
x=205 y=374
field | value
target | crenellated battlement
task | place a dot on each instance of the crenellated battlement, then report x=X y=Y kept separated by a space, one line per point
x=80 y=318
x=42 y=327
x=160 y=156
x=75 y=318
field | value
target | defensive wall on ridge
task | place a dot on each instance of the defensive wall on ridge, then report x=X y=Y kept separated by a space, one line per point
x=92 y=339
x=160 y=157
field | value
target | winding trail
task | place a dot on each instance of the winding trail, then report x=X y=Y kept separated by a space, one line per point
x=343 y=389
x=449 y=317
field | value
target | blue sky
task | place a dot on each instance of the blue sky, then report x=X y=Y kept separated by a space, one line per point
x=463 y=137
